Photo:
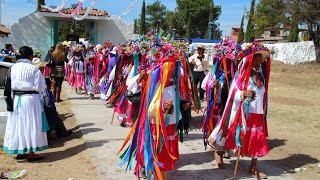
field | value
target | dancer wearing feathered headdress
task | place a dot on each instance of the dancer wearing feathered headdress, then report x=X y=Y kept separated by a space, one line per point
x=217 y=85
x=243 y=126
x=154 y=137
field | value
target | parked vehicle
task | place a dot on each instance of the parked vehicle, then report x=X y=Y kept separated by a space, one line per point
x=4 y=66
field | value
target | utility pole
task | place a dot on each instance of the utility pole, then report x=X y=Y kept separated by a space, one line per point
x=1 y=3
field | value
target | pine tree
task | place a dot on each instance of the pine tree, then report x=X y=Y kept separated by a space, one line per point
x=293 y=34
x=210 y=20
x=189 y=28
x=135 y=26
x=241 y=32
x=250 y=26
x=143 y=28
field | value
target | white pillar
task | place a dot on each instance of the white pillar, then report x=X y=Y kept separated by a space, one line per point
x=1 y=3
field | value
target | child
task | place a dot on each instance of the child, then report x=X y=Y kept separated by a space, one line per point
x=78 y=69
x=91 y=84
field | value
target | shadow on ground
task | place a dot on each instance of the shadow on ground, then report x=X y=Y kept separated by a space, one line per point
x=273 y=168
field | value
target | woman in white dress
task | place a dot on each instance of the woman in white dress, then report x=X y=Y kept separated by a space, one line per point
x=26 y=129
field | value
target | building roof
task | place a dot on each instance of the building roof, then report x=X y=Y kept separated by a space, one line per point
x=286 y=27
x=94 y=12
x=4 y=30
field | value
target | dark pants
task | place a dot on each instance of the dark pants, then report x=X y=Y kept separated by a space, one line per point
x=198 y=78
x=59 y=81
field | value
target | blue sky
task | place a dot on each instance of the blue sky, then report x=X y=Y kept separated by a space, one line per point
x=232 y=10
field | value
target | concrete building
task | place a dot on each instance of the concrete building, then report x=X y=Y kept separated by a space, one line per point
x=4 y=32
x=40 y=29
x=235 y=33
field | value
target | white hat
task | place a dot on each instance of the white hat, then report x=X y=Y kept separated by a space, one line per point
x=89 y=57
x=37 y=62
x=114 y=51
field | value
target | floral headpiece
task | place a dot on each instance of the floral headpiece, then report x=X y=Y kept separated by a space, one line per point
x=254 y=48
x=226 y=48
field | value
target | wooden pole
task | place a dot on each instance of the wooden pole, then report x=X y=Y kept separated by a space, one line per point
x=112 y=117
x=237 y=164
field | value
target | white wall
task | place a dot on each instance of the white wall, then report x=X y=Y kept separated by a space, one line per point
x=293 y=53
x=33 y=30
x=288 y=53
x=115 y=31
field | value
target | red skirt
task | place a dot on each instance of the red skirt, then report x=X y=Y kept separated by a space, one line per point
x=165 y=162
x=255 y=143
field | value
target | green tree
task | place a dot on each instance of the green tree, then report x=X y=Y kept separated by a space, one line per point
x=175 y=20
x=294 y=32
x=195 y=14
x=307 y=12
x=241 y=32
x=250 y=26
x=189 y=28
x=143 y=28
x=135 y=26
x=269 y=13
x=155 y=15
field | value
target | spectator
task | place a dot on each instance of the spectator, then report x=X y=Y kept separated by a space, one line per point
x=26 y=83
x=56 y=63
x=200 y=62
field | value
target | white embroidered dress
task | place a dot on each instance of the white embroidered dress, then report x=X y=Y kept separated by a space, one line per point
x=24 y=125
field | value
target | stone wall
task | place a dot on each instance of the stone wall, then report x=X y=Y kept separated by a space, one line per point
x=288 y=53
x=293 y=53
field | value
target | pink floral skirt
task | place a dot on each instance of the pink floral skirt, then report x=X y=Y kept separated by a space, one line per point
x=79 y=80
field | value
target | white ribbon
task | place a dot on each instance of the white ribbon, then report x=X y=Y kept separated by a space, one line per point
x=58 y=9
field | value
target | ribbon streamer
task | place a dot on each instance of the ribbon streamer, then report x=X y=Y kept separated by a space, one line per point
x=57 y=9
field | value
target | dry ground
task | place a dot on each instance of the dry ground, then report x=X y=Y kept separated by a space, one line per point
x=294 y=131
x=294 y=119
x=66 y=158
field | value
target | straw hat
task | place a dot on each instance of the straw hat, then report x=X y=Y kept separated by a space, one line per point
x=265 y=54
x=200 y=46
x=37 y=62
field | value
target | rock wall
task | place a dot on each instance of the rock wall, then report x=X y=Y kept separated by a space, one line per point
x=288 y=53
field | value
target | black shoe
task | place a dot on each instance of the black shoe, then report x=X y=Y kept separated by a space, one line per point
x=22 y=156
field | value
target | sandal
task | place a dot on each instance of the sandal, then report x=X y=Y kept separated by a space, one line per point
x=256 y=173
x=3 y=175
x=39 y=158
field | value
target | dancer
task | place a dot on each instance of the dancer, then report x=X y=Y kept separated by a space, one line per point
x=217 y=85
x=154 y=146
x=91 y=79
x=243 y=126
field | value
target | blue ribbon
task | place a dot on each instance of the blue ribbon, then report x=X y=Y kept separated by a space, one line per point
x=237 y=137
x=246 y=107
